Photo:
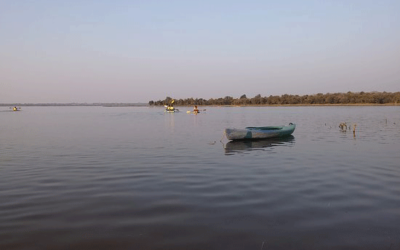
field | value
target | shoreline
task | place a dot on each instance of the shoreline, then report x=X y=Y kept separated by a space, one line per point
x=288 y=105
x=116 y=105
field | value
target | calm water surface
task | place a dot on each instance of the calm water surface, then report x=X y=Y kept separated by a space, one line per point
x=139 y=178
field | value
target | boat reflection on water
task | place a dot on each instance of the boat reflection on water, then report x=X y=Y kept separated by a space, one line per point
x=241 y=146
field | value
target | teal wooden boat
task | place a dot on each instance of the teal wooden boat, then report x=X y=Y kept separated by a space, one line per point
x=255 y=133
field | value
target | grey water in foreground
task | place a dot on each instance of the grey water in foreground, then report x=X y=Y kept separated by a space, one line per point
x=139 y=178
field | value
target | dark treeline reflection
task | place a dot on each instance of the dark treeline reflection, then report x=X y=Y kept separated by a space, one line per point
x=335 y=98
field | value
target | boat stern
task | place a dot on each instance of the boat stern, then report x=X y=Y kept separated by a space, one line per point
x=237 y=134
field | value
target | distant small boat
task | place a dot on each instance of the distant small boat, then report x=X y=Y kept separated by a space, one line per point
x=254 y=133
x=16 y=109
x=195 y=112
x=169 y=108
x=173 y=110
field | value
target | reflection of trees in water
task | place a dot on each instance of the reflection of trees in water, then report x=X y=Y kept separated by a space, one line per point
x=329 y=98
x=248 y=145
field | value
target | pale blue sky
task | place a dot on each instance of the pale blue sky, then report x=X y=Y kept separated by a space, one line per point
x=136 y=51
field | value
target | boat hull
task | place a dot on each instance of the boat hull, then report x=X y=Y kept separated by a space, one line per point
x=172 y=111
x=255 y=133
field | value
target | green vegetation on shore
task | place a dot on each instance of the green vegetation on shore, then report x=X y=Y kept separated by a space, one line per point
x=349 y=98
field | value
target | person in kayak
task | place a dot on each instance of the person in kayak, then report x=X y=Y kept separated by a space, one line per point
x=171 y=106
x=196 y=110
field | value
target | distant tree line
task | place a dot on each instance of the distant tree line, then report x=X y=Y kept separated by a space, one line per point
x=329 y=98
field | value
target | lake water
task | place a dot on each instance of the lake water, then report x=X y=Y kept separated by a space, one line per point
x=139 y=178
